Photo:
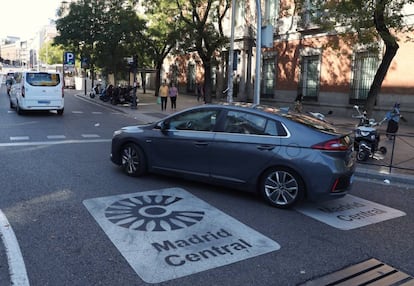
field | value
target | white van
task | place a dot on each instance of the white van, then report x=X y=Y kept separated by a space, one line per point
x=32 y=90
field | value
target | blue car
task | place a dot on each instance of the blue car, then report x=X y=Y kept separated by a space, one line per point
x=283 y=155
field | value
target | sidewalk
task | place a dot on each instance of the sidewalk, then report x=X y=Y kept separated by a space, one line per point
x=403 y=156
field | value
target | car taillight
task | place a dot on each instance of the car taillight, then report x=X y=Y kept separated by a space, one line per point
x=337 y=144
x=23 y=91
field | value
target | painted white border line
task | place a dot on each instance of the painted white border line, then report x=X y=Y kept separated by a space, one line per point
x=17 y=268
x=39 y=143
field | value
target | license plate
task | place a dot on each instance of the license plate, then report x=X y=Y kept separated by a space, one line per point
x=44 y=102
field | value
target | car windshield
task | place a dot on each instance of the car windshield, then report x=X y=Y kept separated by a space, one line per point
x=43 y=79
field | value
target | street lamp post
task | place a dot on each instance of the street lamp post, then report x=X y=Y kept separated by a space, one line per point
x=231 y=55
x=258 y=53
x=134 y=95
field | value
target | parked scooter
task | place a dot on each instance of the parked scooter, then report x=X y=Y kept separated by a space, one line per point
x=367 y=137
x=96 y=90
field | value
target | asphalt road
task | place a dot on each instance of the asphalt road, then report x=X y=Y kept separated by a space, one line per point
x=52 y=165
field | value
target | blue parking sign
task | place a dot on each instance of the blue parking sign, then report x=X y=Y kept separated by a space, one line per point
x=69 y=58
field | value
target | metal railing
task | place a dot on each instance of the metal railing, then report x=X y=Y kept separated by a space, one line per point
x=399 y=155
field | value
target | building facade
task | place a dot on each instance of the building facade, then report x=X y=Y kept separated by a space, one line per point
x=302 y=61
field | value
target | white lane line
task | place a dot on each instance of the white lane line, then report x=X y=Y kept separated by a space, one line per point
x=96 y=112
x=38 y=143
x=90 y=136
x=56 y=137
x=77 y=112
x=17 y=268
x=19 y=138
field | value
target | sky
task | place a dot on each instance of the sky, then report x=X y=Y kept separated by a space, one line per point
x=23 y=18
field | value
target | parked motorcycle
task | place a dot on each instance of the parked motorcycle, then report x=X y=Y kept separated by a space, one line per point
x=367 y=137
x=122 y=95
x=107 y=93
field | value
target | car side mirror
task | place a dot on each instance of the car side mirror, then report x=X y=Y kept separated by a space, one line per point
x=164 y=125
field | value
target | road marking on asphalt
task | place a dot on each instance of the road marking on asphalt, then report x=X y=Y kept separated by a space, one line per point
x=17 y=268
x=169 y=233
x=54 y=137
x=77 y=112
x=97 y=112
x=19 y=138
x=349 y=212
x=39 y=143
x=90 y=136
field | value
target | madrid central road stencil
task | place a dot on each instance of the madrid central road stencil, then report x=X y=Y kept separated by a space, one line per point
x=169 y=233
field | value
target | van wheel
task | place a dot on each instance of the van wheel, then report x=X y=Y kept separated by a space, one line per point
x=60 y=111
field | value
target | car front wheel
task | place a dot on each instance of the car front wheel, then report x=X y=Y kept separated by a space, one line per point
x=133 y=160
x=281 y=188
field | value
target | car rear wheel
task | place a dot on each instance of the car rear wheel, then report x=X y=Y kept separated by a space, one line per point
x=60 y=111
x=133 y=160
x=282 y=188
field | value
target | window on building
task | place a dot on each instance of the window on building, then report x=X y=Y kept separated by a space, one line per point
x=271 y=12
x=363 y=71
x=268 y=77
x=310 y=13
x=239 y=13
x=310 y=75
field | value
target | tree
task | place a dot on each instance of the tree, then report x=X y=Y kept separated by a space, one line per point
x=79 y=30
x=99 y=30
x=121 y=27
x=162 y=33
x=51 y=54
x=368 y=21
x=203 y=32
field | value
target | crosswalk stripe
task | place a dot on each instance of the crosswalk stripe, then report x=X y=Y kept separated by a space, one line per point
x=90 y=136
x=19 y=138
x=56 y=137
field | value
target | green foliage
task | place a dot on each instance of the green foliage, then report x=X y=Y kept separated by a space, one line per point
x=51 y=54
x=203 y=32
x=100 y=30
x=358 y=17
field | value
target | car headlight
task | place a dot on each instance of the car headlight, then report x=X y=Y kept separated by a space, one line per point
x=117 y=132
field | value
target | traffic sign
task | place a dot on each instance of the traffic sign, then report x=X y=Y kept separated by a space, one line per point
x=69 y=58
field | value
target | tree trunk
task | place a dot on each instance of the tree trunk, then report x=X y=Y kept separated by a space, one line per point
x=207 y=81
x=391 y=47
x=158 y=78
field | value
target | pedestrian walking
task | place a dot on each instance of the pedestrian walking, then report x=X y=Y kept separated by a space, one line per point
x=393 y=118
x=298 y=103
x=163 y=94
x=173 y=93
x=200 y=92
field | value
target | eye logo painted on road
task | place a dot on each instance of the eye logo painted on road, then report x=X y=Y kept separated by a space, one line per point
x=151 y=213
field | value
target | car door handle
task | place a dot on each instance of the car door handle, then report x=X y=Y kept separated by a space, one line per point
x=201 y=143
x=266 y=147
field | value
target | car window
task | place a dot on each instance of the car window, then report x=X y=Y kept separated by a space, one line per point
x=198 y=120
x=42 y=79
x=247 y=123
